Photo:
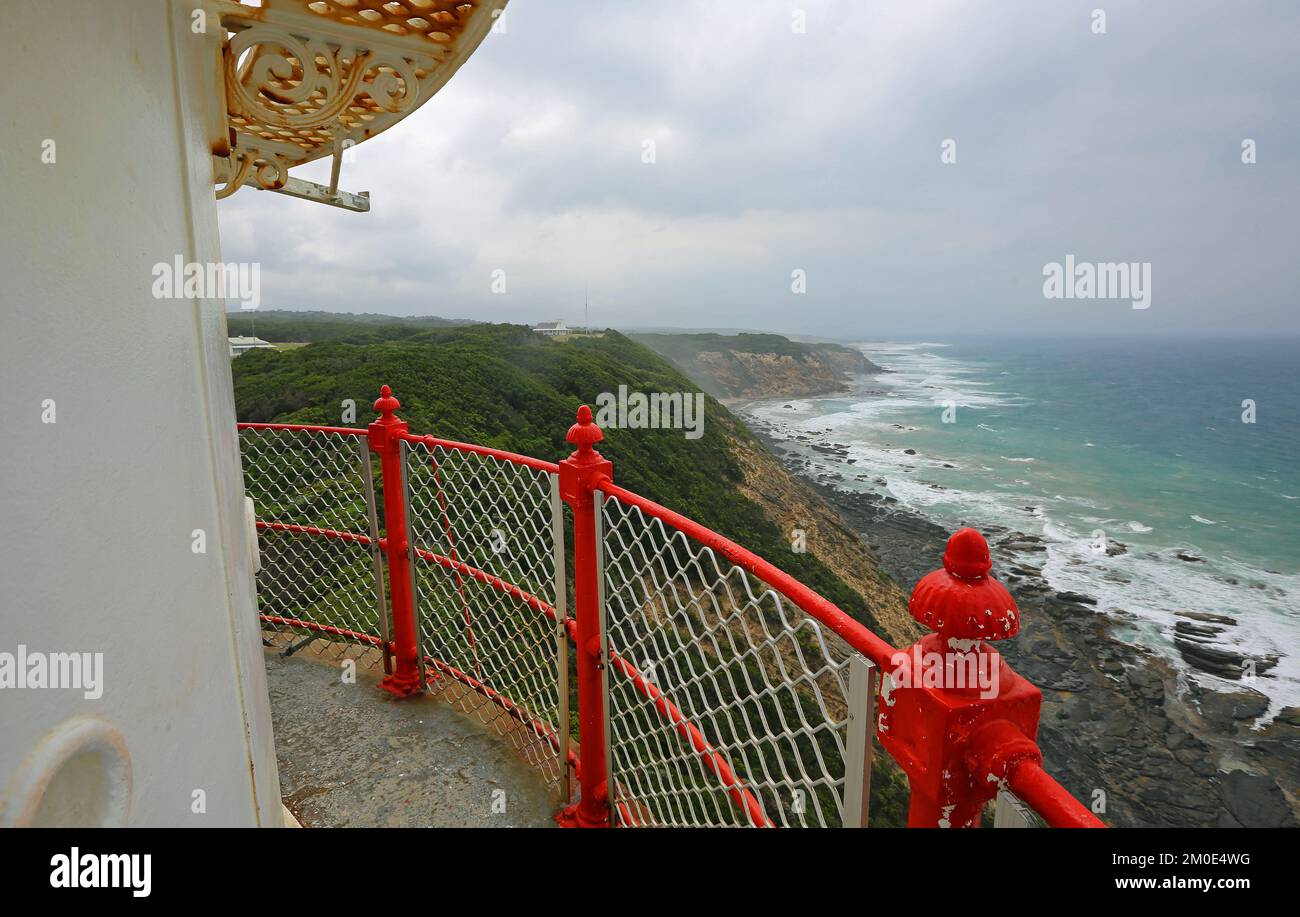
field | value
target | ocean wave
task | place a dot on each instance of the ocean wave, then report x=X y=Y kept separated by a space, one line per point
x=1145 y=586
x=1150 y=588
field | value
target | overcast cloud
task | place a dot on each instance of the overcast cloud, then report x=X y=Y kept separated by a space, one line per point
x=779 y=151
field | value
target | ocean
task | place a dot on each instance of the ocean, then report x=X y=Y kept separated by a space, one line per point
x=1138 y=446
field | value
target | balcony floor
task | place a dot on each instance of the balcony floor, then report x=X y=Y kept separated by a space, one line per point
x=351 y=755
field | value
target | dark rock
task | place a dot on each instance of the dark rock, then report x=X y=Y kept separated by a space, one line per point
x=1255 y=800
x=1112 y=717
x=1290 y=716
x=1224 y=663
x=1222 y=708
x=1023 y=546
x=1207 y=617
x=1202 y=633
x=1147 y=685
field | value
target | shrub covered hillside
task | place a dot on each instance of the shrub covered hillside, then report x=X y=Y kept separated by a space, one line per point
x=759 y=365
x=281 y=326
x=507 y=387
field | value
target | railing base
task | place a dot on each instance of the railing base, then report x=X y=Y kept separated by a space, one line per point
x=573 y=817
x=401 y=685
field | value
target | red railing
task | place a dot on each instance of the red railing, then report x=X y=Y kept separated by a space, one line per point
x=737 y=713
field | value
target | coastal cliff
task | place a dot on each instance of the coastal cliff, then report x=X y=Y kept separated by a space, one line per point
x=751 y=366
x=1118 y=724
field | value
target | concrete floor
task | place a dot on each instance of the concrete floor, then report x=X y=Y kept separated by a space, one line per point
x=351 y=755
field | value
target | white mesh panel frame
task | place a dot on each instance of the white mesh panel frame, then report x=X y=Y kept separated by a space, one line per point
x=498 y=517
x=319 y=479
x=766 y=685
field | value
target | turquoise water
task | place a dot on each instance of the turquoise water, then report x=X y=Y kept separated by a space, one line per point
x=1090 y=442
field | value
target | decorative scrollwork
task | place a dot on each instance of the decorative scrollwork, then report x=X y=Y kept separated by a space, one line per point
x=269 y=170
x=394 y=87
x=278 y=79
x=302 y=76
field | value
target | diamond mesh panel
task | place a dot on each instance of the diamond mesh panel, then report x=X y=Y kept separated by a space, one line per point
x=765 y=685
x=489 y=523
x=314 y=479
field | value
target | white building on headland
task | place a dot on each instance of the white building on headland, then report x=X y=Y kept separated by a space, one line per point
x=125 y=540
x=552 y=329
x=242 y=345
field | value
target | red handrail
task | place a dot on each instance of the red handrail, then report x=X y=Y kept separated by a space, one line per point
x=1040 y=791
x=270 y=525
x=501 y=454
x=853 y=632
x=581 y=475
x=712 y=759
x=459 y=566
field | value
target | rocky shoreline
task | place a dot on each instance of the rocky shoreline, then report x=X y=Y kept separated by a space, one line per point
x=1117 y=719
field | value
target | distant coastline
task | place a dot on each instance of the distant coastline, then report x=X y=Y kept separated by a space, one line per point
x=1117 y=717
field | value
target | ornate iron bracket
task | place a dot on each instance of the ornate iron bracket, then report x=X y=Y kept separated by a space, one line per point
x=305 y=79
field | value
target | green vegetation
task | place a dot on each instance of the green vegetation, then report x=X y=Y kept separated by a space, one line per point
x=277 y=325
x=507 y=387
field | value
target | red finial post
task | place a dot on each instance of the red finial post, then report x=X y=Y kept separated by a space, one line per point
x=580 y=474
x=952 y=712
x=385 y=436
x=387 y=405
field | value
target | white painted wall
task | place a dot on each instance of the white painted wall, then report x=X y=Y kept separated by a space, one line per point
x=97 y=509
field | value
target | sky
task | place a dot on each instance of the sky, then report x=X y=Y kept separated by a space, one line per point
x=810 y=136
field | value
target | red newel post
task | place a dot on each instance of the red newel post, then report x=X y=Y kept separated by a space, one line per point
x=581 y=473
x=953 y=713
x=385 y=439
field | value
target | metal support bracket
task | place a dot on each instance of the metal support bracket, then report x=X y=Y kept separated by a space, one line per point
x=310 y=191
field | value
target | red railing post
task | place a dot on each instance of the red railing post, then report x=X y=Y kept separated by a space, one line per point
x=385 y=436
x=580 y=474
x=955 y=716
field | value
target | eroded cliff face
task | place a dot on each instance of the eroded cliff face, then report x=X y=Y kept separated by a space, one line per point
x=792 y=504
x=737 y=373
x=753 y=366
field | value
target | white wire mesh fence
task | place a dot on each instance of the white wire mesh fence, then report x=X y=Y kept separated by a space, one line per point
x=490 y=593
x=313 y=497
x=728 y=705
